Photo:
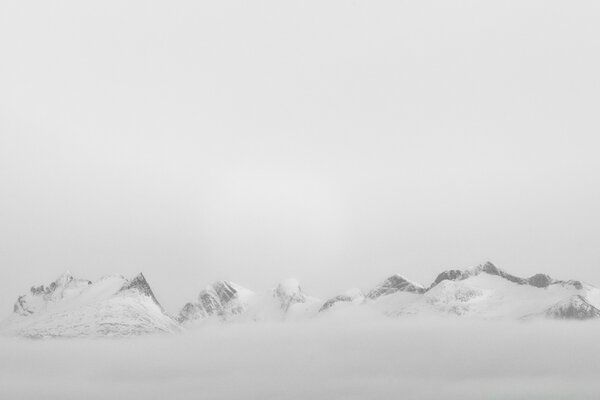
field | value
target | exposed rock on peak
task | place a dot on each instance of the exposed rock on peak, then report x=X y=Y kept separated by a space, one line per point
x=491 y=269
x=537 y=280
x=393 y=284
x=450 y=275
x=540 y=280
x=224 y=299
x=575 y=307
x=70 y=307
x=576 y=284
x=140 y=284
x=351 y=296
x=39 y=296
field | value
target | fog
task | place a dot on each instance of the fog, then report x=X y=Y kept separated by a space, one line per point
x=317 y=359
x=335 y=141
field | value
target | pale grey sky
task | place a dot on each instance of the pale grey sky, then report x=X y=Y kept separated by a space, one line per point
x=334 y=141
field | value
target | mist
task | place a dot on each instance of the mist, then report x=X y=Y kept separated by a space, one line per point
x=319 y=359
x=337 y=142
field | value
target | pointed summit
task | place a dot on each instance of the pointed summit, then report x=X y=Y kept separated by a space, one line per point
x=140 y=284
x=393 y=284
x=575 y=307
x=70 y=307
x=538 y=280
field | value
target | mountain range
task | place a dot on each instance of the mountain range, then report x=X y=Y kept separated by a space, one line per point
x=117 y=306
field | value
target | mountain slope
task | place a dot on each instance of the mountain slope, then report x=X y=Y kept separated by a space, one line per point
x=393 y=284
x=575 y=307
x=487 y=291
x=69 y=307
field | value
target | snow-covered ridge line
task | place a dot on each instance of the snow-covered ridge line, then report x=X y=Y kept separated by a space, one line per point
x=538 y=280
x=117 y=306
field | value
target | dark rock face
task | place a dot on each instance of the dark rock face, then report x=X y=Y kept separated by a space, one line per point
x=140 y=284
x=63 y=281
x=491 y=269
x=540 y=280
x=348 y=297
x=220 y=299
x=575 y=307
x=450 y=275
x=329 y=303
x=225 y=292
x=393 y=284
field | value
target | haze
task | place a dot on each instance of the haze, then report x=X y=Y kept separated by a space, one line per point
x=319 y=359
x=337 y=142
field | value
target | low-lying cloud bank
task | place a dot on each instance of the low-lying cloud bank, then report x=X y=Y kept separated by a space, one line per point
x=318 y=359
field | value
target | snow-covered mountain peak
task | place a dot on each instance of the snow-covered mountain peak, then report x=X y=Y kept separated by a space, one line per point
x=139 y=284
x=288 y=287
x=39 y=297
x=538 y=280
x=289 y=292
x=491 y=269
x=223 y=299
x=393 y=284
x=71 y=307
x=575 y=307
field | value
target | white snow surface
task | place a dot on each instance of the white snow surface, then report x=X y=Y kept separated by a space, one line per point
x=116 y=306
x=78 y=308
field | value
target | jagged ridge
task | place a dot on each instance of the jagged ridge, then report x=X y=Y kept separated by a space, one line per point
x=537 y=280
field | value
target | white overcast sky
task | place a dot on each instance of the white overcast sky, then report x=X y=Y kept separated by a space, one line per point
x=334 y=141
